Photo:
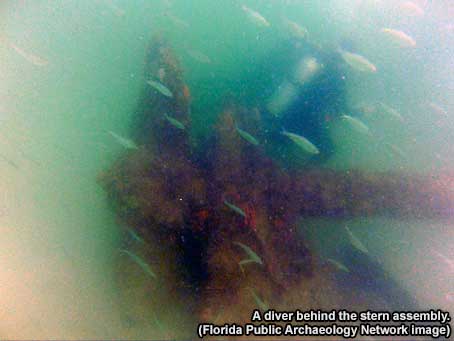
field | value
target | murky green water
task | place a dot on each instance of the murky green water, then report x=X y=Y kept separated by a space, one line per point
x=73 y=70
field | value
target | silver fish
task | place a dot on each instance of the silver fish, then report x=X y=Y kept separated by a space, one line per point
x=445 y=259
x=438 y=109
x=135 y=236
x=160 y=87
x=253 y=257
x=158 y=322
x=355 y=241
x=127 y=143
x=302 y=142
x=356 y=124
x=338 y=264
x=144 y=266
x=115 y=9
x=199 y=56
x=177 y=21
x=358 y=62
x=248 y=137
x=391 y=112
x=10 y=162
x=235 y=208
x=411 y=9
x=246 y=261
x=295 y=29
x=174 y=122
x=399 y=37
x=255 y=16
x=31 y=58
x=396 y=150
x=260 y=303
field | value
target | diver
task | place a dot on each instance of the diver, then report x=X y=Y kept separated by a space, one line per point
x=299 y=88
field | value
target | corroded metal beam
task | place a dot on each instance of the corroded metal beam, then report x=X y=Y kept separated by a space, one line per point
x=167 y=195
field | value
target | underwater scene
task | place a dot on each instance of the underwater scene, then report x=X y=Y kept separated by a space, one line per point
x=226 y=169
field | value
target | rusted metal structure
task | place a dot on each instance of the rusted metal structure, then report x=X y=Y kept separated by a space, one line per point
x=177 y=201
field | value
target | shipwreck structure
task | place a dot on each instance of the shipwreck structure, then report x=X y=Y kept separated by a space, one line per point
x=176 y=199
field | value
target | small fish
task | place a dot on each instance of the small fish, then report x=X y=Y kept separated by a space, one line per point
x=255 y=17
x=302 y=142
x=260 y=303
x=355 y=241
x=438 y=109
x=245 y=261
x=135 y=236
x=445 y=259
x=158 y=323
x=144 y=266
x=253 y=257
x=396 y=150
x=174 y=122
x=10 y=162
x=411 y=9
x=235 y=208
x=296 y=30
x=115 y=9
x=391 y=112
x=248 y=137
x=177 y=21
x=399 y=37
x=356 y=124
x=358 y=62
x=127 y=143
x=199 y=56
x=160 y=87
x=338 y=265
x=33 y=59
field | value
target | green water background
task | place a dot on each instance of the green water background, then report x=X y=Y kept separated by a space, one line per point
x=58 y=236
